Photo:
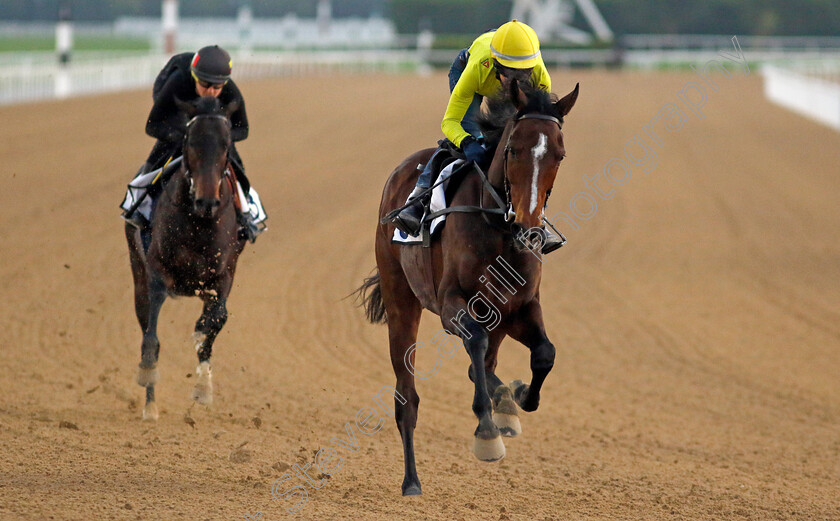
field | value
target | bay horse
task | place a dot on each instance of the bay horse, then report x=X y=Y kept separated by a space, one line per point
x=522 y=174
x=194 y=245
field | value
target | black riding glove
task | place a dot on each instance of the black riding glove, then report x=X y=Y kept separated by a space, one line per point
x=473 y=150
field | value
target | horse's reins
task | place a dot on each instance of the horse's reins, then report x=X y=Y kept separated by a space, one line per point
x=504 y=208
x=511 y=213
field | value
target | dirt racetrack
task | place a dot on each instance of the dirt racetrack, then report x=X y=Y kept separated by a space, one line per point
x=696 y=316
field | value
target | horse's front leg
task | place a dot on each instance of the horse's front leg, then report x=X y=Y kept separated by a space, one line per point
x=529 y=329
x=505 y=415
x=488 y=445
x=209 y=324
x=147 y=375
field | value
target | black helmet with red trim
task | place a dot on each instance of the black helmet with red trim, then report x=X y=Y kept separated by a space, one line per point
x=211 y=64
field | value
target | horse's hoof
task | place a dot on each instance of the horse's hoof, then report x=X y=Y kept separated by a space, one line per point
x=147 y=376
x=203 y=391
x=508 y=424
x=505 y=415
x=150 y=412
x=412 y=490
x=489 y=450
x=520 y=393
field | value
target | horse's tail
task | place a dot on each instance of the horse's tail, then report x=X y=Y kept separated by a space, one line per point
x=369 y=296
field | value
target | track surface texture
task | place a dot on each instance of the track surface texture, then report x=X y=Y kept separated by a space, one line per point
x=696 y=316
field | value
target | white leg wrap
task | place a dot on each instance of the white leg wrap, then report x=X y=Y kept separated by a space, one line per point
x=203 y=391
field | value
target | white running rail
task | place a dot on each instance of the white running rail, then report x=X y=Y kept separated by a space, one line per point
x=34 y=78
x=811 y=91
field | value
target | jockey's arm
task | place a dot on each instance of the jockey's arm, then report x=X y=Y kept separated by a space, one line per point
x=163 y=122
x=464 y=91
x=459 y=101
x=239 y=119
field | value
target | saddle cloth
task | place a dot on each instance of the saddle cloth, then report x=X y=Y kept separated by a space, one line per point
x=138 y=186
x=438 y=202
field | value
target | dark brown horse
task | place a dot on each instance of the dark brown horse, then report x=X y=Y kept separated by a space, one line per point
x=482 y=276
x=194 y=245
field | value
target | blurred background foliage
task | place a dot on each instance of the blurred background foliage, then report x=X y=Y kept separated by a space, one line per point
x=469 y=17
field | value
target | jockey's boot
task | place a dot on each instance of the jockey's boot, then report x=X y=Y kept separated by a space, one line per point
x=552 y=242
x=248 y=229
x=136 y=219
x=408 y=220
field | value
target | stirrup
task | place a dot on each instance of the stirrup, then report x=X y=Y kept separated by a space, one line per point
x=248 y=229
x=407 y=221
x=552 y=242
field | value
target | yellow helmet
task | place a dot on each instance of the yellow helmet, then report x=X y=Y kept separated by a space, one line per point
x=515 y=45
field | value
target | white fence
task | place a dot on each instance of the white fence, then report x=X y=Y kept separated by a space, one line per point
x=29 y=80
x=35 y=81
x=808 y=89
x=813 y=91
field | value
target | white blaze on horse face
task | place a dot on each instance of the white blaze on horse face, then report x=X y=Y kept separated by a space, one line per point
x=538 y=152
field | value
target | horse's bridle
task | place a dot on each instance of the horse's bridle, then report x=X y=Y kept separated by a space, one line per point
x=510 y=214
x=187 y=173
x=503 y=208
x=214 y=116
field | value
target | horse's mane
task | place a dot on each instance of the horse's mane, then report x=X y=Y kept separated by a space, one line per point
x=500 y=110
x=207 y=105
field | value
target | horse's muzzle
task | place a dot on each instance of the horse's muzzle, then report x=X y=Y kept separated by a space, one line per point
x=206 y=207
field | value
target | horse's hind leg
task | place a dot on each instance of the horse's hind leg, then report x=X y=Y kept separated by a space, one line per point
x=488 y=444
x=138 y=273
x=403 y=312
x=147 y=375
x=530 y=331
x=208 y=326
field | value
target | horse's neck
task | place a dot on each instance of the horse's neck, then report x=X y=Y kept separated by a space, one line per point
x=496 y=172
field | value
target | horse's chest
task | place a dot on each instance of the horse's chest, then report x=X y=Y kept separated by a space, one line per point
x=188 y=271
x=204 y=264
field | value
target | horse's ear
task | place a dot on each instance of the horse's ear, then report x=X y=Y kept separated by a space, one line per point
x=231 y=107
x=185 y=107
x=517 y=97
x=564 y=105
